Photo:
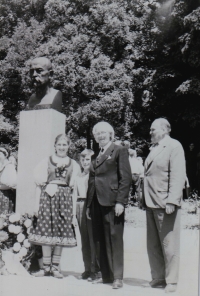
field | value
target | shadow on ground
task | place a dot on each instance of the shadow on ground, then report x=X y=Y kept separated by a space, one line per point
x=128 y=281
x=135 y=282
x=139 y=283
x=75 y=274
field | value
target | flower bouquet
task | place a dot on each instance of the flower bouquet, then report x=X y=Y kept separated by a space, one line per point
x=14 y=229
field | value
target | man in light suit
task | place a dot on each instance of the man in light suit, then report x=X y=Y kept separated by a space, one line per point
x=108 y=190
x=164 y=179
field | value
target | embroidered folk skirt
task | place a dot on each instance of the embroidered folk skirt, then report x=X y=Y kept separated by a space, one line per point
x=54 y=223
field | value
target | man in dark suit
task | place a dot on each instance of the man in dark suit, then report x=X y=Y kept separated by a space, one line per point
x=164 y=179
x=109 y=184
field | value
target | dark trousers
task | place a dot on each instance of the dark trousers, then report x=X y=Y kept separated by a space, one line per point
x=136 y=186
x=163 y=243
x=108 y=231
x=90 y=257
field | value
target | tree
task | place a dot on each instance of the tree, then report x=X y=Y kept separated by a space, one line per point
x=124 y=62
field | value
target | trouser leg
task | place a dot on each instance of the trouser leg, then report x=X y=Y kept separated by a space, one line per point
x=154 y=248
x=99 y=239
x=82 y=222
x=169 y=231
x=136 y=185
x=113 y=231
x=94 y=249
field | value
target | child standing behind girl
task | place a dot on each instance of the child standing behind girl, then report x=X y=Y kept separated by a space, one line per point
x=85 y=225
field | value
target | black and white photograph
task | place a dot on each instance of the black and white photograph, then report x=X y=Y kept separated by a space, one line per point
x=99 y=147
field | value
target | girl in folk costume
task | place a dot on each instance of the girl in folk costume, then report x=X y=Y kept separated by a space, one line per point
x=56 y=214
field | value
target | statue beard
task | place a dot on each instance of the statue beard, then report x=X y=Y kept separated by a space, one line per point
x=39 y=86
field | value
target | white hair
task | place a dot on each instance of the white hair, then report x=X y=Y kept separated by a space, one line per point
x=164 y=123
x=105 y=127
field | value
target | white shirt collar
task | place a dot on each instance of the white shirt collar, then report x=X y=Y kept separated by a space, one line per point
x=106 y=147
x=161 y=142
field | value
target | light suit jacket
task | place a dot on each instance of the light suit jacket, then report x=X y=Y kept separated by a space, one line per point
x=165 y=174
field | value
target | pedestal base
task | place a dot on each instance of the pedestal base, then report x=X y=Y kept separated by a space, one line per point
x=37 y=132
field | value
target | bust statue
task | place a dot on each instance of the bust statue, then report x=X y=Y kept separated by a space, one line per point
x=45 y=96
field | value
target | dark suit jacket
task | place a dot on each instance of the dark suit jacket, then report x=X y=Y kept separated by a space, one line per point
x=110 y=177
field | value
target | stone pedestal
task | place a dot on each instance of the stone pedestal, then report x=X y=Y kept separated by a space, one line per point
x=37 y=132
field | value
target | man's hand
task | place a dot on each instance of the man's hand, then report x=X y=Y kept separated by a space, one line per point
x=170 y=208
x=88 y=213
x=119 y=208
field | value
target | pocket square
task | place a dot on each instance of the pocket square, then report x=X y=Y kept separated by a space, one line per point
x=109 y=157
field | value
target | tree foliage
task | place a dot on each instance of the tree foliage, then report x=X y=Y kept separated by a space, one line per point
x=127 y=62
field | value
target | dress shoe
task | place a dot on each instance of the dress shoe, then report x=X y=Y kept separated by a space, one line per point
x=102 y=281
x=98 y=281
x=94 y=276
x=156 y=283
x=84 y=276
x=170 y=288
x=117 y=284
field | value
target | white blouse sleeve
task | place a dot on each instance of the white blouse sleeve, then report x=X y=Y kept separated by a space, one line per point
x=76 y=171
x=9 y=176
x=40 y=172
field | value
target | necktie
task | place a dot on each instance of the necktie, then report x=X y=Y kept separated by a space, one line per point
x=100 y=153
x=153 y=146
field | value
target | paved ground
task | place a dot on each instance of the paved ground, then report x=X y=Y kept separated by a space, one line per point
x=137 y=272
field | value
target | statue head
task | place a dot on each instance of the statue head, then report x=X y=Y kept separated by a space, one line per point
x=40 y=72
